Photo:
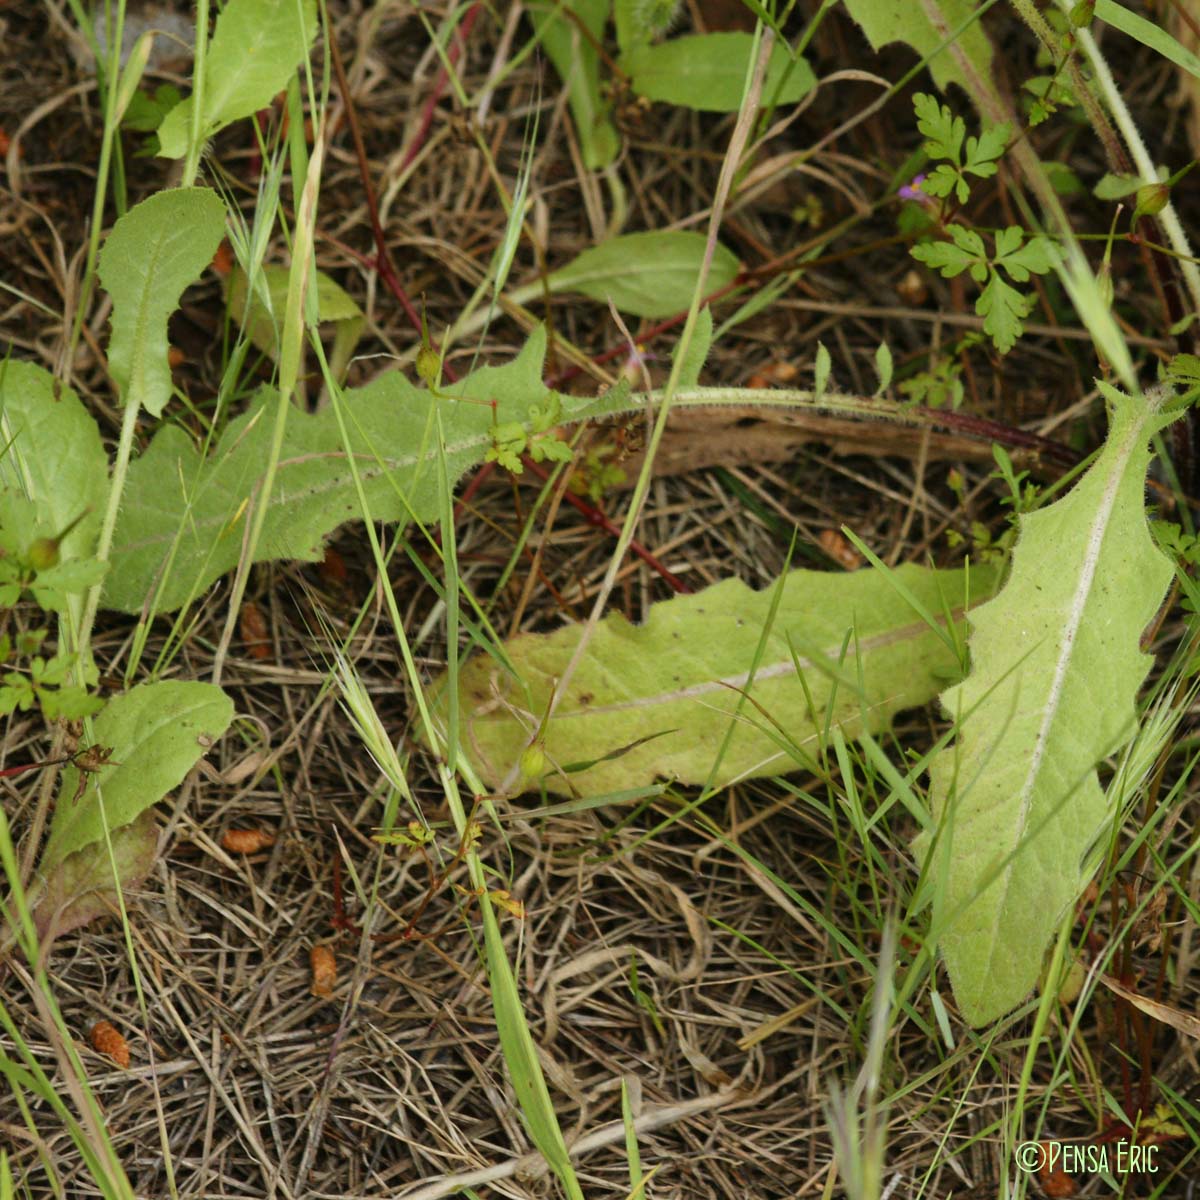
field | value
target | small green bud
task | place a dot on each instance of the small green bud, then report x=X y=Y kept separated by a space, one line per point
x=429 y=363
x=43 y=553
x=1082 y=13
x=1152 y=198
x=533 y=761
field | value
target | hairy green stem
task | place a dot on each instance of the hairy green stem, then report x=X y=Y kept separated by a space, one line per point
x=112 y=86
x=1168 y=218
x=191 y=164
x=116 y=487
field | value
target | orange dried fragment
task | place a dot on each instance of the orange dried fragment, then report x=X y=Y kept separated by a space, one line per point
x=1055 y=1182
x=222 y=261
x=781 y=372
x=254 y=631
x=839 y=549
x=324 y=971
x=176 y=357
x=772 y=373
x=333 y=568
x=247 y=841
x=106 y=1040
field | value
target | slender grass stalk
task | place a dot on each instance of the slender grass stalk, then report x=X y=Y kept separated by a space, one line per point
x=191 y=165
x=737 y=143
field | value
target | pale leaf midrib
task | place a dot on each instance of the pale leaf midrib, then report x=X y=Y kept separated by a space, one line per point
x=1096 y=533
x=773 y=670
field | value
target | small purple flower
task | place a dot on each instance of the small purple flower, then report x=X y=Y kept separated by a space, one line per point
x=638 y=356
x=912 y=191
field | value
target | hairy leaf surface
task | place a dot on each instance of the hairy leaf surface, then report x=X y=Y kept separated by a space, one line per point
x=254 y=51
x=656 y=700
x=155 y=251
x=1056 y=667
x=182 y=519
x=156 y=732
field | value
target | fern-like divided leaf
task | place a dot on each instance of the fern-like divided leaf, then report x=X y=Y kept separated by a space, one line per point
x=1056 y=668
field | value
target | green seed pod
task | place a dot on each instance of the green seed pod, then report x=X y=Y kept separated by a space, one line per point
x=1082 y=13
x=429 y=363
x=1152 y=198
x=43 y=553
x=533 y=761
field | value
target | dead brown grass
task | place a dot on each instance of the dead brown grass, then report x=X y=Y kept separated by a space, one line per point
x=747 y=1007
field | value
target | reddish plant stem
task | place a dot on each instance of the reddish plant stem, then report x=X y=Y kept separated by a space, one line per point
x=383 y=260
x=460 y=40
x=958 y=422
x=477 y=481
x=598 y=520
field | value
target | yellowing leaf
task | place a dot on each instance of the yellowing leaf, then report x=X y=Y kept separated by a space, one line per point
x=334 y=306
x=655 y=701
x=80 y=889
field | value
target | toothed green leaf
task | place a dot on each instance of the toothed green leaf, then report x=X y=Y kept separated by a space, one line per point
x=182 y=518
x=154 y=252
x=1056 y=668
x=656 y=700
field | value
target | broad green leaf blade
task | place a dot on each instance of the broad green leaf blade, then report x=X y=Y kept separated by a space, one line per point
x=1056 y=667
x=255 y=49
x=153 y=252
x=708 y=72
x=655 y=701
x=885 y=21
x=80 y=888
x=172 y=495
x=157 y=733
x=570 y=32
x=646 y=274
x=54 y=456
